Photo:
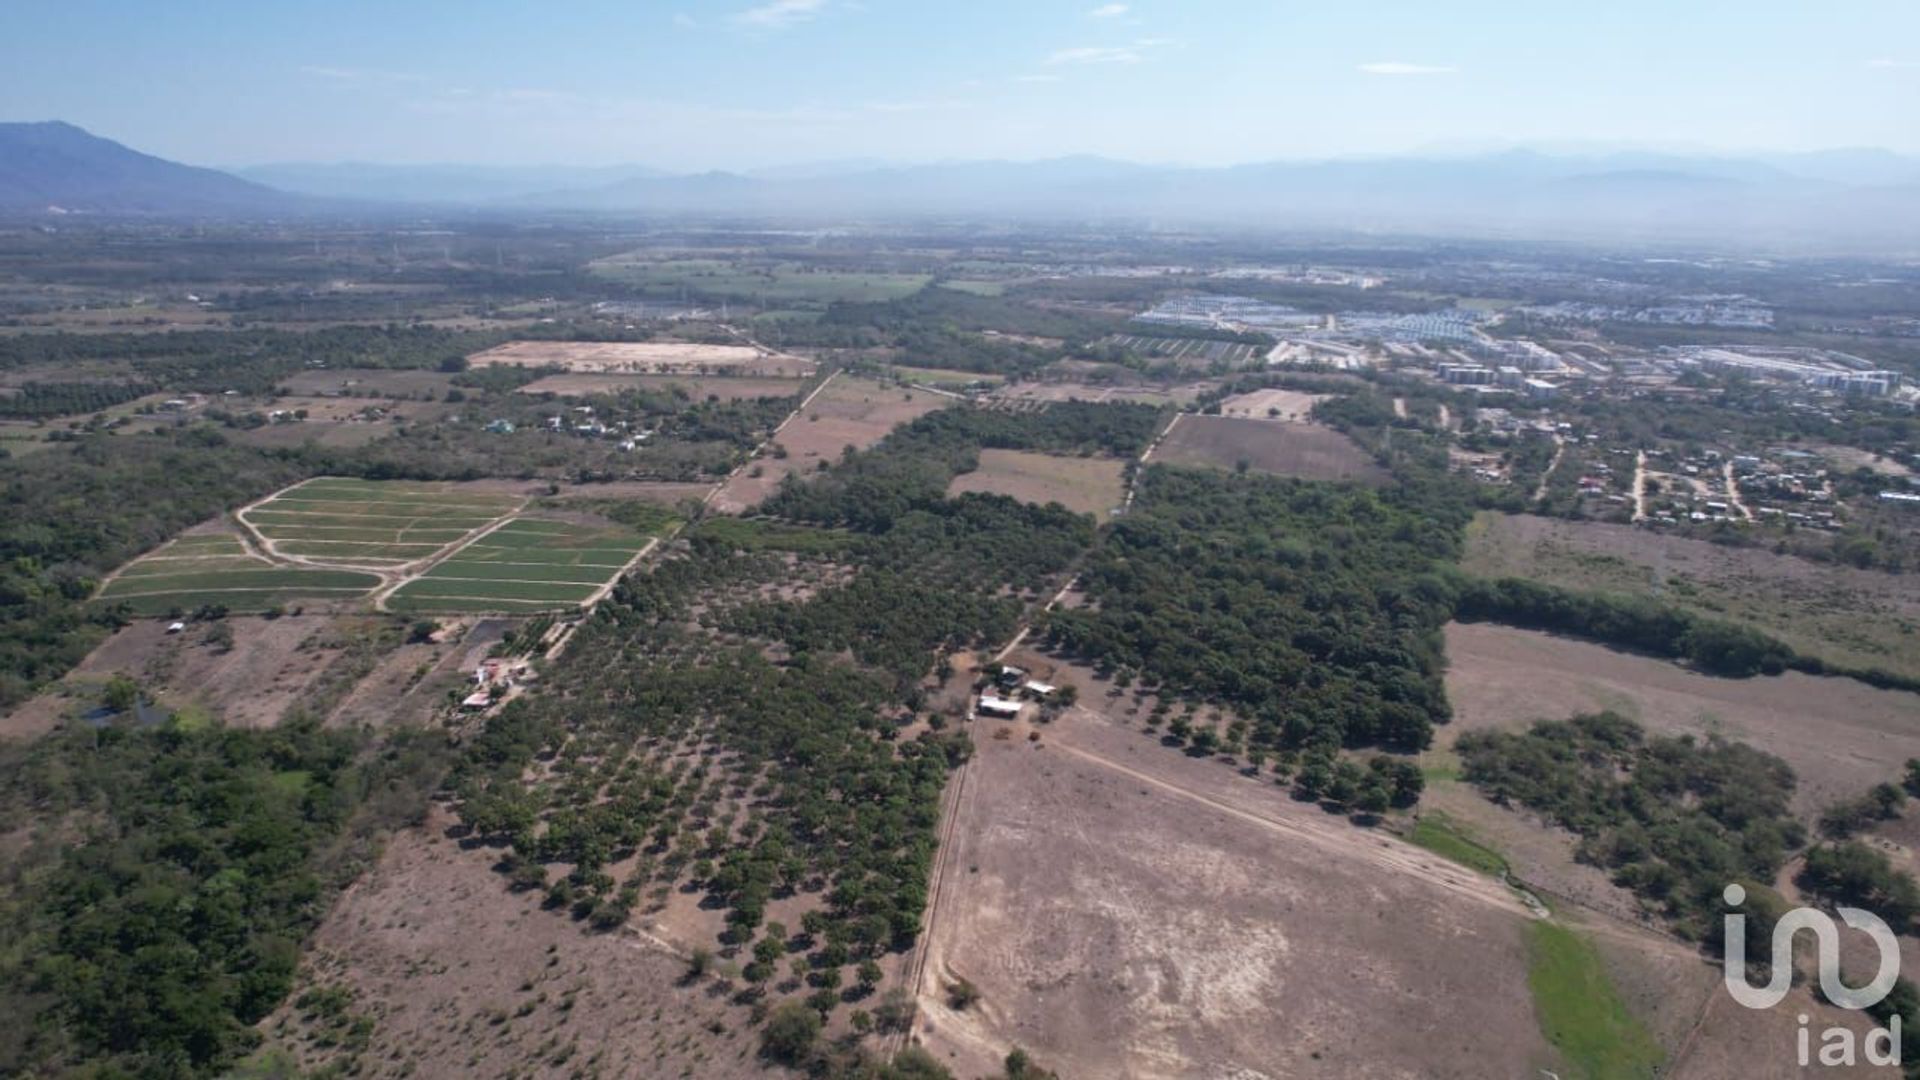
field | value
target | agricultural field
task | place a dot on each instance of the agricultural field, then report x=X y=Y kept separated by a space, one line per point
x=1861 y=618
x=524 y=565
x=217 y=569
x=846 y=412
x=778 y=285
x=1192 y=354
x=1085 y=485
x=643 y=358
x=371 y=523
x=697 y=388
x=1305 y=451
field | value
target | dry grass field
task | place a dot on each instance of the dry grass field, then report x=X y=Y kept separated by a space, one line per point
x=1126 y=911
x=847 y=412
x=1307 y=451
x=643 y=358
x=1085 y=485
x=1859 y=617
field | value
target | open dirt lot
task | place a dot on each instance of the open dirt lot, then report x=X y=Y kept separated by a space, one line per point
x=847 y=411
x=250 y=685
x=696 y=387
x=1126 y=911
x=1083 y=485
x=642 y=358
x=1861 y=617
x=1840 y=736
x=1272 y=404
x=462 y=978
x=1307 y=451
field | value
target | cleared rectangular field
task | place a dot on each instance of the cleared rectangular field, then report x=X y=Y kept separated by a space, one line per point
x=374 y=523
x=525 y=564
x=214 y=569
x=1083 y=485
x=1306 y=451
x=697 y=388
x=848 y=411
x=1864 y=618
x=641 y=358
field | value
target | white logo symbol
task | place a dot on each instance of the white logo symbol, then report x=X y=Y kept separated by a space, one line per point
x=1828 y=938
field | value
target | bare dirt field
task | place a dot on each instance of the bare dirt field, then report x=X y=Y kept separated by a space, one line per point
x=1308 y=451
x=1860 y=617
x=1272 y=404
x=1840 y=736
x=848 y=411
x=696 y=387
x=1126 y=911
x=1084 y=485
x=643 y=358
x=250 y=685
x=462 y=978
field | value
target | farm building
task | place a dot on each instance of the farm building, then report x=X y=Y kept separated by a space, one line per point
x=1000 y=707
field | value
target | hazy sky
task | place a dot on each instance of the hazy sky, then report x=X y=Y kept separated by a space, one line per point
x=758 y=82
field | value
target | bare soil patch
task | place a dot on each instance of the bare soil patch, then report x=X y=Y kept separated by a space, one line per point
x=1307 y=451
x=643 y=358
x=1085 y=485
x=1272 y=404
x=250 y=685
x=847 y=412
x=1126 y=911
x=463 y=978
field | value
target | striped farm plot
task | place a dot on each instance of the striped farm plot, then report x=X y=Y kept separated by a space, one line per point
x=524 y=565
x=371 y=524
x=196 y=571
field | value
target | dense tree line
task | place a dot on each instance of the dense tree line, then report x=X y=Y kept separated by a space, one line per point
x=43 y=400
x=1647 y=625
x=150 y=947
x=1314 y=608
x=250 y=361
x=1673 y=819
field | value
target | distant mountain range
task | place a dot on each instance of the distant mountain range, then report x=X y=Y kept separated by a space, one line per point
x=1858 y=199
x=58 y=168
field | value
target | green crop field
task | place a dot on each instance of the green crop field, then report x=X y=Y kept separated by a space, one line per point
x=525 y=564
x=197 y=571
x=373 y=522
